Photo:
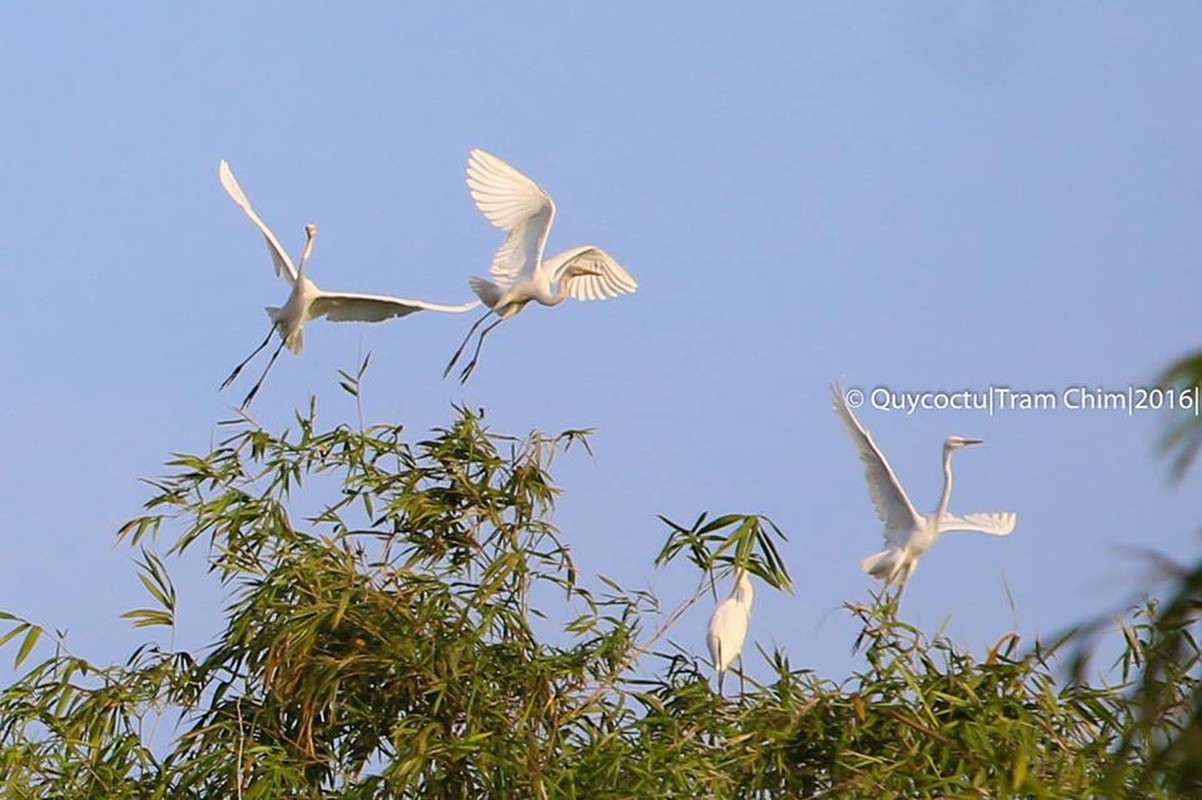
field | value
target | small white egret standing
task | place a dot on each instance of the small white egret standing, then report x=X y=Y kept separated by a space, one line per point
x=909 y=534
x=728 y=626
x=308 y=302
x=520 y=207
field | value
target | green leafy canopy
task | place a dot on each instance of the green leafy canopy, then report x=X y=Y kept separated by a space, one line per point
x=423 y=631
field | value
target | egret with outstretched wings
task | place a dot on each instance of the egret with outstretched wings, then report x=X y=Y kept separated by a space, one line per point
x=520 y=207
x=909 y=534
x=306 y=301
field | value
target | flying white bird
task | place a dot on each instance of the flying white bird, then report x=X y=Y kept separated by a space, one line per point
x=728 y=626
x=308 y=302
x=909 y=534
x=520 y=207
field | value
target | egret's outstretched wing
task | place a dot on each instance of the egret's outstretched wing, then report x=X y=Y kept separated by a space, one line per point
x=611 y=279
x=283 y=264
x=515 y=204
x=892 y=505
x=346 y=307
x=995 y=524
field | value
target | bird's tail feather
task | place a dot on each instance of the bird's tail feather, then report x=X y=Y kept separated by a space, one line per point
x=295 y=342
x=882 y=565
x=488 y=292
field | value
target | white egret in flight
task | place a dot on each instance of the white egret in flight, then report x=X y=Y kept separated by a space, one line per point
x=520 y=207
x=909 y=534
x=308 y=302
x=728 y=626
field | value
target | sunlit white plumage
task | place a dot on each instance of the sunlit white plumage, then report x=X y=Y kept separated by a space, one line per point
x=909 y=534
x=306 y=301
x=728 y=625
x=519 y=206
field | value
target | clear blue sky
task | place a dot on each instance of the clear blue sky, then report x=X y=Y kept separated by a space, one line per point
x=944 y=195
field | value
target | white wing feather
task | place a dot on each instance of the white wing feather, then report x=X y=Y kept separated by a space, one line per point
x=346 y=307
x=612 y=280
x=279 y=257
x=515 y=204
x=892 y=505
x=995 y=524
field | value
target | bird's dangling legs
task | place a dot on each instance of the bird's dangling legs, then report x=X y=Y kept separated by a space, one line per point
x=901 y=580
x=742 y=685
x=246 y=360
x=466 y=339
x=255 y=389
x=721 y=672
x=890 y=597
x=463 y=376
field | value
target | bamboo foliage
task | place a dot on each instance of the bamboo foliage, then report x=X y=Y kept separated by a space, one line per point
x=405 y=620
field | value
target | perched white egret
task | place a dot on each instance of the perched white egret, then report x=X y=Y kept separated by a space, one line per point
x=728 y=626
x=520 y=207
x=909 y=534
x=308 y=302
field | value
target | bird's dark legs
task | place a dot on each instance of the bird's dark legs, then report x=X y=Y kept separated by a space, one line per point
x=255 y=389
x=238 y=368
x=903 y=580
x=721 y=672
x=466 y=339
x=463 y=376
x=895 y=583
x=742 y=685
x=892 y=593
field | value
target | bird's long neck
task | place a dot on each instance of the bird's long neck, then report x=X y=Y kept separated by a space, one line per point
x=946 y=497
x=743 y=592
x=310 y=235
x=557 y=298
x=546 y=298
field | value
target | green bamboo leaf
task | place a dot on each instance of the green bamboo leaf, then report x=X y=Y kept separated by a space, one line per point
x=154 y=590
x=27 y=645
x=724 y=521
x=13 y=632
x=148 y=617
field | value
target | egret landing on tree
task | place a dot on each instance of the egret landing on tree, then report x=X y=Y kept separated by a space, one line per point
x=308 y=302
x=909 y=534
x=520 y=207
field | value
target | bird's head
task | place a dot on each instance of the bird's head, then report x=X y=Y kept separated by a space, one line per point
x=310 y=235
x=956 y=442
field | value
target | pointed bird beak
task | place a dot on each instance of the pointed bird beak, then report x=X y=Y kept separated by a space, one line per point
x=967 y=442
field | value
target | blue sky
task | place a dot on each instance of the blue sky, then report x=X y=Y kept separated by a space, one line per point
x=948 y=195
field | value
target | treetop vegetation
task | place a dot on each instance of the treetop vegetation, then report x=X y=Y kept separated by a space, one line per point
x=404 y=620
